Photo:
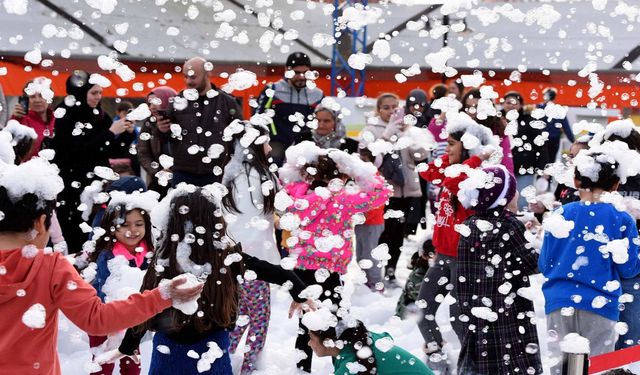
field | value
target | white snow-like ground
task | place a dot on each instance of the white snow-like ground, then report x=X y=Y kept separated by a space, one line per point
x=278 y=357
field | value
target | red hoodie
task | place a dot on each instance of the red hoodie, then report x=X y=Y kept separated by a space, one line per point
x=445 y=237
x=50 y=280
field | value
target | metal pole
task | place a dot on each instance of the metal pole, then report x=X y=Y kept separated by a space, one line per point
x=575 y=364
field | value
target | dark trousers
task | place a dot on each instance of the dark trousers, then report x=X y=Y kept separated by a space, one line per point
x=329 y=287
x=70 y=218
x=393 y=235
x=553 y=146
x=194 y=179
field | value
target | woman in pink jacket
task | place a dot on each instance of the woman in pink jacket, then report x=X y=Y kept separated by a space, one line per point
x=36 y=284
x=324 y=189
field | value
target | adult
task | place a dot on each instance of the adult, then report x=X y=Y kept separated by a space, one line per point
x=202 y=111
x=417 y=104
x=330 y=131
x=35 y=112
x=289 y=98
x=154 y=140
x=473 y=104
x=84 y=140
x=529 y=150
x=555 y=127
x=455 y=88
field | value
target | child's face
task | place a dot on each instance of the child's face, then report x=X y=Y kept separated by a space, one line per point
x=387 y=106
x=132 y=231
x=454 y=150
x=318 y=347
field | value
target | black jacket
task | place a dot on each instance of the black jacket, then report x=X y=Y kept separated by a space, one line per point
x=83 y=141
x=264 y=270
x=528 y=157
x=202 y=123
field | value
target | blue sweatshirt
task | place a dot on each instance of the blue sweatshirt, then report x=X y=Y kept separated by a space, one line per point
x=577 y=271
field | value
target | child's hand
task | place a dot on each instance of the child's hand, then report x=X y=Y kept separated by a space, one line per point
x=185 y=293
x=298 y=308
x=113 y=355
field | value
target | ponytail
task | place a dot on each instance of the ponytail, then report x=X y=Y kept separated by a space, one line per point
x=362 y=343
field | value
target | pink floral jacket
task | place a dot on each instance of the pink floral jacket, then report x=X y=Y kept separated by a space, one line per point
x=326 y=231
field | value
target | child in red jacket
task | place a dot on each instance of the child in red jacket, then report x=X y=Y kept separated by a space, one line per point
x=36 y=284
x=468 y=145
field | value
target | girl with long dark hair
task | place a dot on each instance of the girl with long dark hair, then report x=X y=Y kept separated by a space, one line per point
x=194 y=241
x=250 y=202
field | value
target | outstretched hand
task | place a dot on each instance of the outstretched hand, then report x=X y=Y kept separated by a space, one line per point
x=114 y=355
x=184 y=293
x=299 y=308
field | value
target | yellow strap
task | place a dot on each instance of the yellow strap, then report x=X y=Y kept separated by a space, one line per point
x=274 y=131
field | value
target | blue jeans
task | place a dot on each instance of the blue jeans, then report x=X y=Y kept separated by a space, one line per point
x=521 y=183
x=176 y=360
x=630 y=314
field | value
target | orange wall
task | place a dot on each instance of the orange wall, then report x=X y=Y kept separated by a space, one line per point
x=617 y=93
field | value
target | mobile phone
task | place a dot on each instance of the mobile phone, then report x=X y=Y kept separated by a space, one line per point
x=397 y=114
x=24 y=102
x=162 y=113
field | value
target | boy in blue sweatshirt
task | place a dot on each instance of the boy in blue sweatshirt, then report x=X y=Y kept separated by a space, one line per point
x=583 y=269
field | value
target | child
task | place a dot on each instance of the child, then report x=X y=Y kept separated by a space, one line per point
x=468 y=145
x=410 y=146
x=127 y=233
x=589 y=246
x=368 y=236
x=354 y=349
x=419 y=267
x=319 y=215
x=249 y=209
x=36 y=284
x=195 y=241
x=626 y=132
x=18 y=142
x=494 y=262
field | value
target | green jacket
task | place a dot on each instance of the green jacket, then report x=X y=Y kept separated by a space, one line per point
x=395 y=361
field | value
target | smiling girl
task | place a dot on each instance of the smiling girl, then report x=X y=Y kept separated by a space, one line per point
x=127 y=233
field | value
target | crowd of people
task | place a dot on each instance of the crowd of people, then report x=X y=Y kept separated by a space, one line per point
x=201 y=210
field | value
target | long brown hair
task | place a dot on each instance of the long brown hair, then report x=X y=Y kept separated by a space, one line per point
x=258 y=161
x=112 y=219
x=219 y=300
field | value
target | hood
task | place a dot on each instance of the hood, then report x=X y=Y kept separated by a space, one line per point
x=21 y=271
x=298 y=189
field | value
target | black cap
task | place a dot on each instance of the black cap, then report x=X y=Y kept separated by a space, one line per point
x=298 y=59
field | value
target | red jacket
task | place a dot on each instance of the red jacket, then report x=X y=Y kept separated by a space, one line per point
x=51 y=281
x=375 y=216
x=34 y=121
x=445 y=237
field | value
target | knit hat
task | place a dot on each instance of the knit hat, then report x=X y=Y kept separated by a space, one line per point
x=164 y=93
x=488 y=188
x=298 y=59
